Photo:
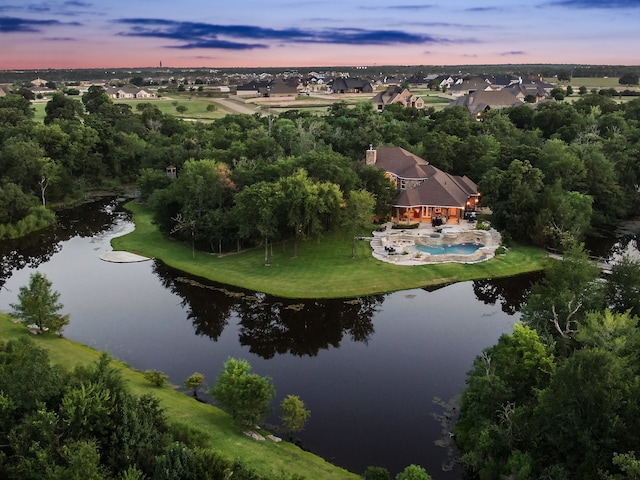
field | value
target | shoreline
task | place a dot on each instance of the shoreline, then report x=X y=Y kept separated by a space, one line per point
x=323 y=269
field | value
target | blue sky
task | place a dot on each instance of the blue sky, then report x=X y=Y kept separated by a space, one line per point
x=251 y=33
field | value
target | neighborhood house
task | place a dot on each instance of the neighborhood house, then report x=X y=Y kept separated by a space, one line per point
x=425 y=193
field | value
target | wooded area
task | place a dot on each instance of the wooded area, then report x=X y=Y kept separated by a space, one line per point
x=549 y=173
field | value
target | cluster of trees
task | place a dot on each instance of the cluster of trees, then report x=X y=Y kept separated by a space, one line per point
x=58 y=424
x=559 y=397
x=537 y=165
x=549 y=174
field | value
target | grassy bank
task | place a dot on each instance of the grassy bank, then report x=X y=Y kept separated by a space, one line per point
x=323 y=269
x=224 y=436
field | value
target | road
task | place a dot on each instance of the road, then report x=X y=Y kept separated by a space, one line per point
x=236 y=107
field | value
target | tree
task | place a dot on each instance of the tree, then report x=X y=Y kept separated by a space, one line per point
x=246 y=396
x=558 y=303
x=294 y=415
x=181 y=109
x=413 y=472
x=629 y=78
x=376 y=473
x=38 y=305
x=358 y=214
x=62 y=107
x=569 y=90
x=194 y=381
x=156 y=377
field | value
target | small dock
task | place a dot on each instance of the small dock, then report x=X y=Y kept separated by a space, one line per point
x=122 y=257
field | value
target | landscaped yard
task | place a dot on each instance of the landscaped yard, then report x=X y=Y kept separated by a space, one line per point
x=323 y=269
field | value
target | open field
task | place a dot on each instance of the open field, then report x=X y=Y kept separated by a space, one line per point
x=597 y=82
x=224 y=435
x=323 y=269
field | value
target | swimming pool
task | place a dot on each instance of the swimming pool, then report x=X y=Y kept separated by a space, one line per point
x=452 y=249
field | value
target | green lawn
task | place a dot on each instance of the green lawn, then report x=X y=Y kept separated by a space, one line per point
x=196 y=106
x=324 y=268
x=264 y=457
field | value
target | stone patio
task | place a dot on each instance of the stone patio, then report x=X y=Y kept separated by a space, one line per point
x=397 y=246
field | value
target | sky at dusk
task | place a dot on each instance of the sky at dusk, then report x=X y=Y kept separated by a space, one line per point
x=289 y=33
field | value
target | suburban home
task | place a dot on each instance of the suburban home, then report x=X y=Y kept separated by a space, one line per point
x=470 y=85
x=522 y=90
x=128 y=92
x=398 y=95
x=351 y=85
x=269 y=88
x=478 y=102
x=425 y=193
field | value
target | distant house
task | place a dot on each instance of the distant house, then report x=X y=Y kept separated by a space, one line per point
x=397 y=95
x=523 y=90
x=424 y=191
x=269 y=88
x=478 y=102
x=252 y=89
x=281 y=89
x=351 y=85
x=470 y=85
x=128 y=92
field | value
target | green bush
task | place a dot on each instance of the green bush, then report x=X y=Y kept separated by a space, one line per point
x=156 y=377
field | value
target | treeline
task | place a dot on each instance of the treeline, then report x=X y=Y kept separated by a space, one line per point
x=57 y=424
x=560 y=396
x=549 y=173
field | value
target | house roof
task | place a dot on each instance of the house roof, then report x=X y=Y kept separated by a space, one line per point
x=437 y=188
x=481 y=100
x=403 y=164
x=441 y=190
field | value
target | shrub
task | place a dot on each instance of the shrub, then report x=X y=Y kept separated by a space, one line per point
x=156 y=377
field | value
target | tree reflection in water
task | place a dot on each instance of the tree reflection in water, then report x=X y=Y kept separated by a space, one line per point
x=271 y=325
x=84 y=220
x=510 y=292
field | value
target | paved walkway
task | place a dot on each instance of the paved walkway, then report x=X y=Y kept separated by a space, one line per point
x=122 y=257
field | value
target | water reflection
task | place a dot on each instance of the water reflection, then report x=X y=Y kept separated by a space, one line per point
x=510 y=293
x=38 y=248
x=269 y=325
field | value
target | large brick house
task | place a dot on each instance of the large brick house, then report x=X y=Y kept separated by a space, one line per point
x=424 y=191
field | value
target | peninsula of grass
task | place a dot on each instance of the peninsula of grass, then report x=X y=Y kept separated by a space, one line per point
x=224 y=436
x=323 y=268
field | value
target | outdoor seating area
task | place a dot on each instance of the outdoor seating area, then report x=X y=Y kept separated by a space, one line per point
x=434 y=244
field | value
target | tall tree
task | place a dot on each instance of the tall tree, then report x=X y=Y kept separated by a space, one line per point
x=38 y=304
x=358 y=214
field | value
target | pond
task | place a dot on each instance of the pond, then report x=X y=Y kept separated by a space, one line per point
x=377 y=372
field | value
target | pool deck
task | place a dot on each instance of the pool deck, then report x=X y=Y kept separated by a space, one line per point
x=402 y=238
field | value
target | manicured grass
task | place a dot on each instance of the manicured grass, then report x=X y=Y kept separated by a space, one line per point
x=224 y=436
x=324 y=268
x=196 y=106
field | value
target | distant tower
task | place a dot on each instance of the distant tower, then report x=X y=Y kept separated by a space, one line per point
x=160 y=63
x=171 y=172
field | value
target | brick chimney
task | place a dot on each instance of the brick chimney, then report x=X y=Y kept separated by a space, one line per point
x=370 y=158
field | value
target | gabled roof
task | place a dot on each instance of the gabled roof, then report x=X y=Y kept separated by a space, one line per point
x=437 y=188
x=441 y=190
x=481 y=100
x=403 y=164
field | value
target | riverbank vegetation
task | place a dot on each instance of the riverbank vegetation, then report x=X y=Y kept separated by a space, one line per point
x=560 y=396
x=67 y=410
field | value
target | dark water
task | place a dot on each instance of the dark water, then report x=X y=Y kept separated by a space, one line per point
x=374 y=371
